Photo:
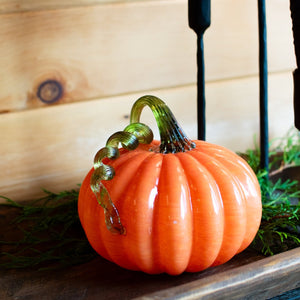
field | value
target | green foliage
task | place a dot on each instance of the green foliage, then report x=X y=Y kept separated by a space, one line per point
x=45 y=232
x=280 y=226
x=288 y=148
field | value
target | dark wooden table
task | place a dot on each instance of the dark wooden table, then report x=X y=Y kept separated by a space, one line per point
x=246 y=276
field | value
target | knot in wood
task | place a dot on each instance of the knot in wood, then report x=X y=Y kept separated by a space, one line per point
x=50 y=91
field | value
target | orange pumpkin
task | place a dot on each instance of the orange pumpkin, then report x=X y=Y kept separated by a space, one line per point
x=179 y=205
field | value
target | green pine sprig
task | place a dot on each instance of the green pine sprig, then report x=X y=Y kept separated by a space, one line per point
x=280 y=225
x=46 y=232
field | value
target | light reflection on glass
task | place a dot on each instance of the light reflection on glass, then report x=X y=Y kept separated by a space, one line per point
x=183 y=202
x=152 y=196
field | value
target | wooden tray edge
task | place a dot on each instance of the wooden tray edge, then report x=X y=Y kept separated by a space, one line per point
x=262 y=279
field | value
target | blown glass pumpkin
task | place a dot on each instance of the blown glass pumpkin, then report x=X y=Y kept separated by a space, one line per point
x=171 y=206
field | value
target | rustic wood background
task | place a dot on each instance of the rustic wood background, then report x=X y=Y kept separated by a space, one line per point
x=103 y=55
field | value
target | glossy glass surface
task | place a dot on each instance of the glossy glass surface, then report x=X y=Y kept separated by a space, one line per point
x=182 y=212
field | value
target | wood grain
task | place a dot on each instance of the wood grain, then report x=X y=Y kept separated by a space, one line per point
x=246 y=276
x=258 y=280
x=53 y=148
x=109 y=49
x=12 y=6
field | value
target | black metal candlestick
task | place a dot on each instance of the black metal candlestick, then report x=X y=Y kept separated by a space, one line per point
x=263 y=86
x=295 y=14
x=199 y=21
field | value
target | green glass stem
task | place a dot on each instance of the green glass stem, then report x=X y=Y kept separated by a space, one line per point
x=172 y=137
x=173 y=140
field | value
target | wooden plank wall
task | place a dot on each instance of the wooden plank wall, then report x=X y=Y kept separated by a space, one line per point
x=97 y=57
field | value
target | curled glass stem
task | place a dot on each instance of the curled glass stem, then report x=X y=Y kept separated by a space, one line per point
x=129 y=139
